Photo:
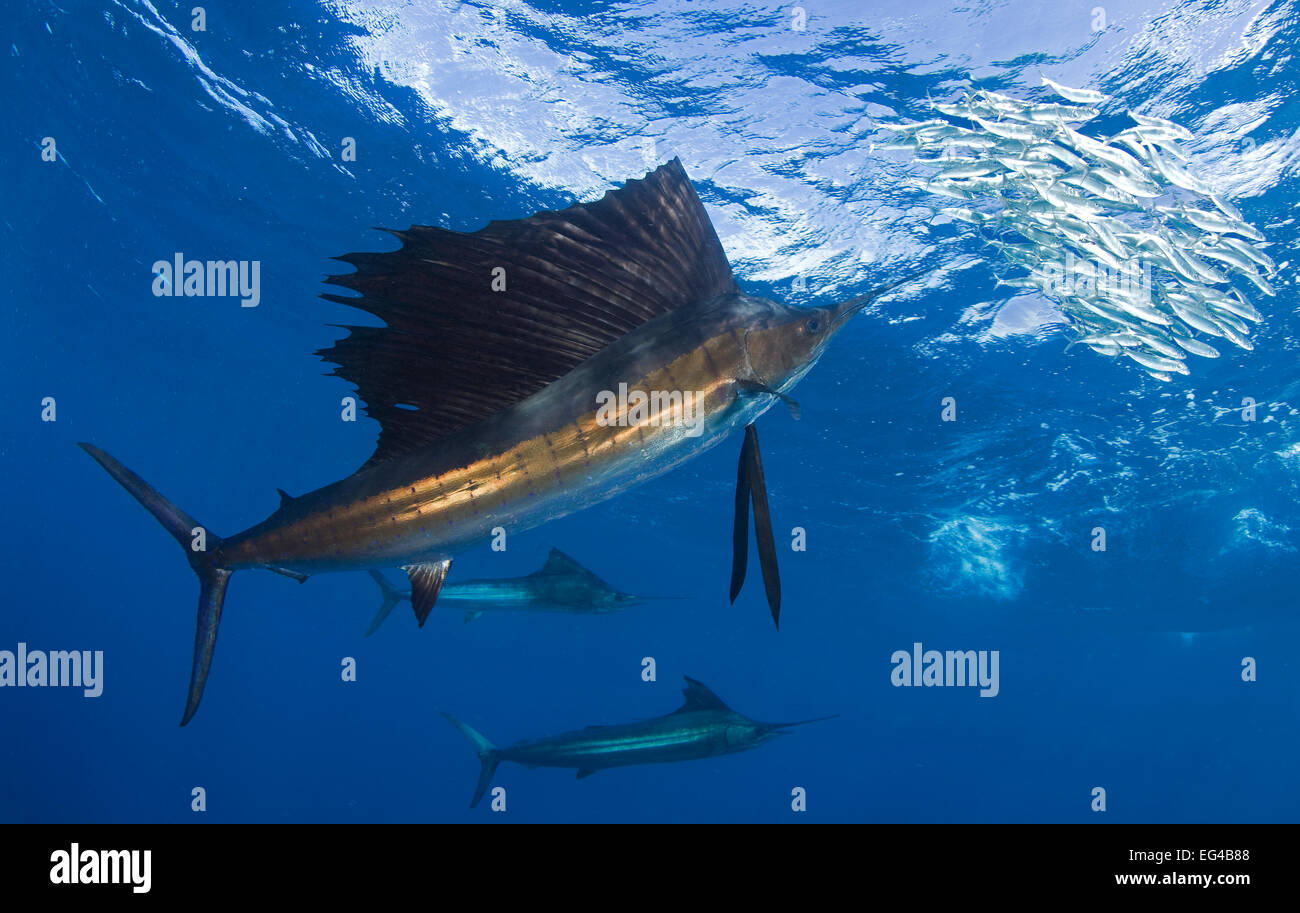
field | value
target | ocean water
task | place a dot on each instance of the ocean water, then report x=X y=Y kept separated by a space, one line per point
x=1120 y=669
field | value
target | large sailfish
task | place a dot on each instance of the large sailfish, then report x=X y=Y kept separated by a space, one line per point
x=526 y=370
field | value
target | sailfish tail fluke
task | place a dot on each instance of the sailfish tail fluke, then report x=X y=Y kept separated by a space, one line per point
x=487 y=756
x=391 y=596
x=199 y=546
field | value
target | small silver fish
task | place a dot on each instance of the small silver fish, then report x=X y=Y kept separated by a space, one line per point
x=1227 y=319
x=950 y=110
x=1099 y=151
x=1194 y=317
x=1236 y=337
x=1177 y=175
x=968 y=169
x=1052 y=114
x=1251 y=252
x=1196 y=347
x=1049 y=150
x=1224 y=206
x=1141 y=310
x=962 y=214
x=1219 y=224
x=1079 y=96
x=1156 y=362
x=1029 y=167
x=1229 y=255
x=1018 y=132
x=1147 y=120
x=1127 y=183
x=1236 y=303
x=1102 y=349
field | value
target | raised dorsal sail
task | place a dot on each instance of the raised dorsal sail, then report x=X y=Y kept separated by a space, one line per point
x=479 y=321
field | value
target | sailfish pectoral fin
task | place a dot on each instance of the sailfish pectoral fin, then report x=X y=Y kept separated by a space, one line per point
x=426 y=584
x=751 y=488
x=751 y=386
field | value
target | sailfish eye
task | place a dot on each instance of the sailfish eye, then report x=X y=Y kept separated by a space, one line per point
x=813 y=325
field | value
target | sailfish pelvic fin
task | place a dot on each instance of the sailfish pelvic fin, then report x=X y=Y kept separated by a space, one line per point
x=740 y=524
x=751 y=488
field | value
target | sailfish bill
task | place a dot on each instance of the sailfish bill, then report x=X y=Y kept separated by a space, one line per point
x=490 y=397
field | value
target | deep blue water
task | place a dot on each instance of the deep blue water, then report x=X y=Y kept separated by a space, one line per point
x=1119 y=669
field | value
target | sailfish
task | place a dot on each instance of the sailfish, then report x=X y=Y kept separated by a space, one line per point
x=560 y=585
x=491 y=381
x=703 y=727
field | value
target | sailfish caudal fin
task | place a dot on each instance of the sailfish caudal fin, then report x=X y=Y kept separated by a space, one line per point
x=391 y=596
x=212 y=579
x=487 y=756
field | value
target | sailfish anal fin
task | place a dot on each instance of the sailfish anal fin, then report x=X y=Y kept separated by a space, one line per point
x=426 y=584
x=478 y=321
x=751 y=488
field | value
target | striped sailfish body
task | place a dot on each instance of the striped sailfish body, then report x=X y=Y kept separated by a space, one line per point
x=524 y=371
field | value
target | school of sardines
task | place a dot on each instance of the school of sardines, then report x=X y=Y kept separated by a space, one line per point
x=1144 y=260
